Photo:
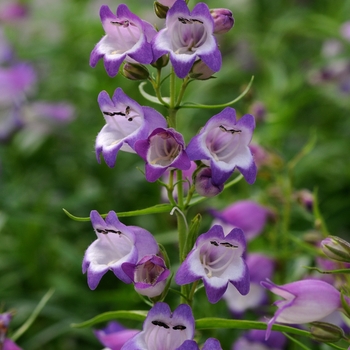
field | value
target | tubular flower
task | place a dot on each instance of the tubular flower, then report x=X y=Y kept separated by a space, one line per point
x=304 y=301
x=217 y=260
x=116 y=243
x=187 y=36
x=164 y=148
x=127 y=38
x=164 y=330
x=223 y=143
x=114 y=336
x=149 y=275
x=247 y=215
x=260 y=267
x=126 y=122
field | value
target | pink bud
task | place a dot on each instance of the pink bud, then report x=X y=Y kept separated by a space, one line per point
x=223 y=20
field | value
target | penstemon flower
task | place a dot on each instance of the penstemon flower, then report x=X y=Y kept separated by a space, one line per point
x=260 y=267
x=187 y=37
x=165 y=330
x=114 y=335
x=148 y=275
x=126 y=122
x=247 y=215
x=218 y=260
x=116 y=244
x=304 y=301
x=127 y=38
x=223 y=143
x=164 y=148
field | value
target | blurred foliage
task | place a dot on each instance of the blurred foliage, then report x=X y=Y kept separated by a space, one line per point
x=278 y=42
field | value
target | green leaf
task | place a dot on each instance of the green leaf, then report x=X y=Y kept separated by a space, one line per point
x=33 y=316
x=222 y=105
x=342 y=271
x=156 y=209
x=222 y=323
x=136 y=315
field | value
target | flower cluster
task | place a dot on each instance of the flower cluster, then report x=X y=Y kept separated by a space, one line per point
x=186 y=49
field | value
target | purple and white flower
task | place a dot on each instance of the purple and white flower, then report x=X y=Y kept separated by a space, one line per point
x=223 y=143
x=116 y=244
x=165 y=330
x=187 y=37
x=304 y=301
x=163 y=149
x=127 y=38
x=247 y=215
x=149 y=275
x=218 y=260
x=126 y=122
x=114 y=335
x=260 y=268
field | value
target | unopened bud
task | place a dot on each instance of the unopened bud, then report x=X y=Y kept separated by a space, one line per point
x=201 y=71
x=223 y=20
x=336 y=248
x=326 y=332
x=204 y=185
x=161 y=62
x=134 y=71
x=160 y=9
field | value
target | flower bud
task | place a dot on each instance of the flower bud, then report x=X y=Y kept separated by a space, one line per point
x=161 y=62
x=134 y=71
x=160 y=9
x=204 y=185
x=326 y=332
x=201 y=71
x=223 y=20
x=336 y=248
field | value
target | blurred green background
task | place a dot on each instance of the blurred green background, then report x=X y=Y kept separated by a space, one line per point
x=280 y=43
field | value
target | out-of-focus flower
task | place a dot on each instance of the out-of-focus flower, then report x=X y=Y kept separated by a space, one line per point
x=187 y=36
x=165 y=330
x=247 y=215
x=305 y=198
x=304 y=301
x=345 y=30
x=13 y=11
x=258 y=110
x=15 y=82
x=218 y=260
x=114 y=335
x=148 y=275
x=204 y=184
x=126 y=122
x=6 y=343
x=163 y=149
x=223 y=20
x=6 y=51
x=260 y=268
x=223 y=143
x=116 y=244
x=255 y=340
x=127 y=38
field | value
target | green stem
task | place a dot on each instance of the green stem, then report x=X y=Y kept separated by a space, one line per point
x=172 y=108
